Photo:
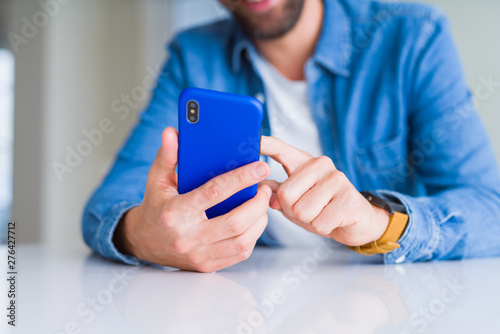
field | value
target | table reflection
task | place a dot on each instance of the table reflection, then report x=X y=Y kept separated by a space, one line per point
x=305 y=291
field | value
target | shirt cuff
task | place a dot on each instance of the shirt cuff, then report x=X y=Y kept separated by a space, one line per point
x=421 y=236
x=105 y=245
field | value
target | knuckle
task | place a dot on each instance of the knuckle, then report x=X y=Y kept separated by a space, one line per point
x=212 y=190
x=351 y=199
x=324 y=161
x=282 y=194
x=241 y=176
x=243 y=245
x=195 y=259
x=245 y=255
x=300 y=212
x=233 y=225
x=331 y=177
x=169 y=219
x=181 y=245
x=338 y=177
x=319 y=228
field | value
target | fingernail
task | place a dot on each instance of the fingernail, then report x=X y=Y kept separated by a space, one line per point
x=260 y=171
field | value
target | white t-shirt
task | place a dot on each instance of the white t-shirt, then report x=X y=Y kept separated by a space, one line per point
x=291 y=120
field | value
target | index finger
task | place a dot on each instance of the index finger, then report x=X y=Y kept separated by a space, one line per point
x=290 y=157
x=225 y=185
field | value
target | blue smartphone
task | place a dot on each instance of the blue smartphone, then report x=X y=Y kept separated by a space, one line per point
x=218 y=132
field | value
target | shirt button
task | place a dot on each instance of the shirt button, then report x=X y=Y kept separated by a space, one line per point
x=260 y=97
x=400 y=259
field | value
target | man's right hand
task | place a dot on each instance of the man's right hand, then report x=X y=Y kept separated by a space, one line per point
x=173 y=230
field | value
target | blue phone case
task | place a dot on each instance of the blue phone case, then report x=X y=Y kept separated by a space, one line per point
x=226 y=136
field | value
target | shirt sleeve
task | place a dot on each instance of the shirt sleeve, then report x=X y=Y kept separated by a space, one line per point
x=451 y=155
x=124 y=186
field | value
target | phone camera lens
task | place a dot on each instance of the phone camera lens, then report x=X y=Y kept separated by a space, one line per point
x=192 y=111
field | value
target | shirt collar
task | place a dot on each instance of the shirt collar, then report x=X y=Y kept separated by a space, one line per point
x=334 y=48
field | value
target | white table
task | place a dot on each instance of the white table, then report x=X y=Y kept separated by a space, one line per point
x=304 y=291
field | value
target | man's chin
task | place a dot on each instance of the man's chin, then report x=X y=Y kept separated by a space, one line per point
x=271 y=24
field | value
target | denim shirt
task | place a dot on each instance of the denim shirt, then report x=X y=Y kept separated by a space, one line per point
x=389 y=97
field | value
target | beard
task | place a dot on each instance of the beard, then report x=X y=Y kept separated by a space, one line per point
x=270 y=25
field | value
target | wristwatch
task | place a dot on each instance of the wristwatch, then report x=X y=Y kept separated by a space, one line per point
x=395 y=229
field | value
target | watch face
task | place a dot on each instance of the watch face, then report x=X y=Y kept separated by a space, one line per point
x=387 y=204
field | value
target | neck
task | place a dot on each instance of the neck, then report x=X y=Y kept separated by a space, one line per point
x=289 y=53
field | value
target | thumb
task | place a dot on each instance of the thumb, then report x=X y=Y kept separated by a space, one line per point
x=163 y=168
x=273 y=201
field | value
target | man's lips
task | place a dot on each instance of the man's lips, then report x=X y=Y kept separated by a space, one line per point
x=257 y=5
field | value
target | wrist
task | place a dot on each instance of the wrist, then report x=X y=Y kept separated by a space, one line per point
x=380 y=222
x=392 y=231
x=124 y=232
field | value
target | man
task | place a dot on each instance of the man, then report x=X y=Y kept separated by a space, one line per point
x=363 y=95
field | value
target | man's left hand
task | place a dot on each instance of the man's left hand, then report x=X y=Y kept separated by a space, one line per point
x=321 y=199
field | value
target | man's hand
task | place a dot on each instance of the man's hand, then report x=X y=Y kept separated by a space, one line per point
x=319 y=198
x=173 y=230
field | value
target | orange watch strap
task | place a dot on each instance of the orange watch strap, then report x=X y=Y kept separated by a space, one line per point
x=389 y=240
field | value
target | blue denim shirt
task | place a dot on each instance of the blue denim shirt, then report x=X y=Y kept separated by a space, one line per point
x=389 y=97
